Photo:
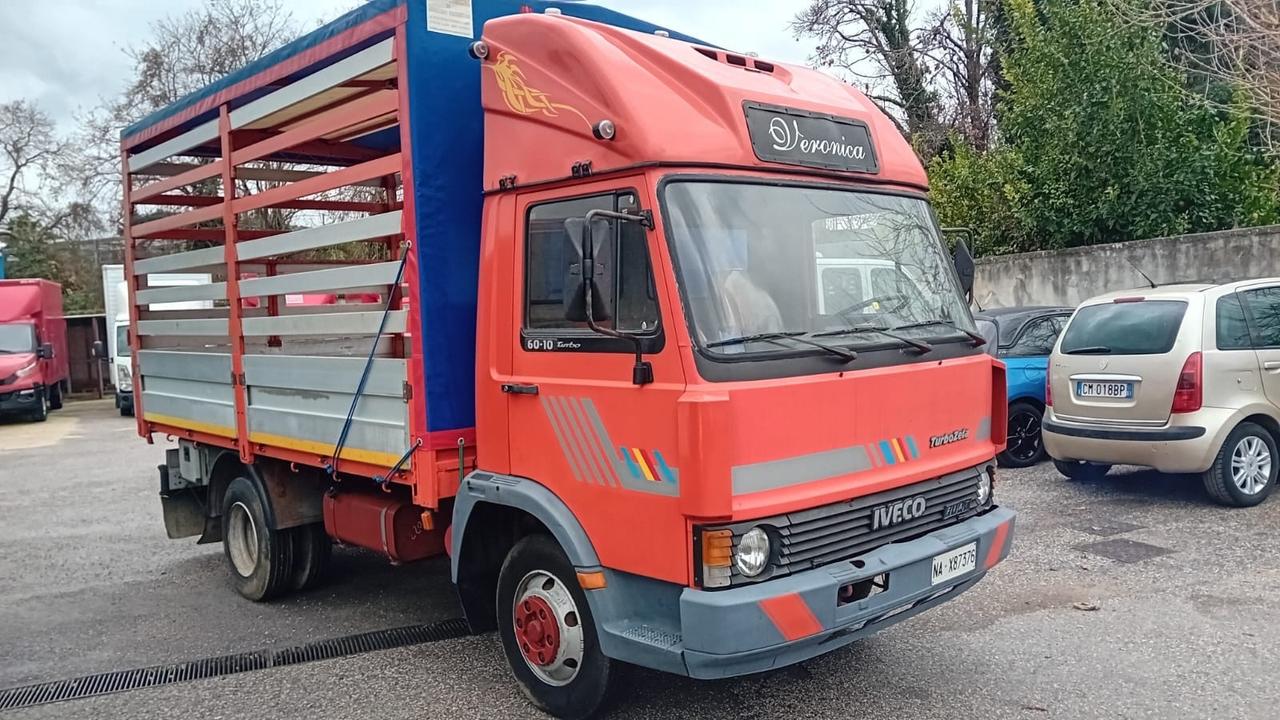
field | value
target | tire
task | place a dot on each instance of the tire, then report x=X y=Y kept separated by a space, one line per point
x=126 y=410
x=311 y=552
x=1244 y=471
x=1024 y=427
x=55 y=397
x=1080 y=470
x=260 y=558
x=567 y=678
x=41 y=413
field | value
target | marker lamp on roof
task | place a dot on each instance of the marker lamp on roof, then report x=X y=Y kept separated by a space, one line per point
x=605 y=130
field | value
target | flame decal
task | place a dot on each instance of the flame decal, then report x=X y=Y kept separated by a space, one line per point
x=520 y=97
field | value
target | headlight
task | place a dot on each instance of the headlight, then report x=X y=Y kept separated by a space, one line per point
x=752 y=555
x=23 y=372
x=984 y=488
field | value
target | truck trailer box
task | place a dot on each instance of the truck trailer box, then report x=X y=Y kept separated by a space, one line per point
x=598 y=353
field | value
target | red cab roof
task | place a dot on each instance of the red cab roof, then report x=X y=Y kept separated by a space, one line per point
x=550 y=79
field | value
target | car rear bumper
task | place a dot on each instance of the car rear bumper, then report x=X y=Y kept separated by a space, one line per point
x=753 y=628
x=1187 y=444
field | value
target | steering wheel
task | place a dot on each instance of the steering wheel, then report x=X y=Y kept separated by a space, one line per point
x=902 y=299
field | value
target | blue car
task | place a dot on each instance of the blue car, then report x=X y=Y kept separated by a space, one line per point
x=1023 y=338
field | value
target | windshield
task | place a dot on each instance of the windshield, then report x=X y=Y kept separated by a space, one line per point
x=122 y=341
x=17 y=338
x=758 y=259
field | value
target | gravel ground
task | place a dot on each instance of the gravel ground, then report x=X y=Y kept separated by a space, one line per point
x=1183 y=619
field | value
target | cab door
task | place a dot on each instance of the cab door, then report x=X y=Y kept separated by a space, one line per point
x=579 y=425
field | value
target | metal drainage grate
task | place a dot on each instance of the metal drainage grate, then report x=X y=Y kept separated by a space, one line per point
x=121 y=680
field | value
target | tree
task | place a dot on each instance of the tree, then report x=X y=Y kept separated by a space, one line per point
x=35 y=250
x=961 y=48
x=29 y=147
x=876 y=40
x=1230 y=50
x=1108 y=148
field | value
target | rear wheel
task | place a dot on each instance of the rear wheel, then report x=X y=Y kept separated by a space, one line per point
x=548 y=633
x=261 y=558
x=1080 y=470
x=1244 y=472
x=55 y=397
x=1025 y=447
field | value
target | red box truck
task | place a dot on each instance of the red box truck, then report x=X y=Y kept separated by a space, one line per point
x=34 y=374
x=669 y=356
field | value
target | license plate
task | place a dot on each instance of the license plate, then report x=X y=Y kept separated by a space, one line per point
x=955 y=563
x=1116 y=390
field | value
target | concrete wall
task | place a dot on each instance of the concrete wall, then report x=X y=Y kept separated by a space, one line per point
x=1068 y=277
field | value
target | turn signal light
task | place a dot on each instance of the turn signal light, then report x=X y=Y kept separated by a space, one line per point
x=1189 y=396
x=717 y=557
x=1048 y=386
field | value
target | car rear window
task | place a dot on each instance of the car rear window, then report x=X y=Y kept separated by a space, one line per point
x=1147 y=327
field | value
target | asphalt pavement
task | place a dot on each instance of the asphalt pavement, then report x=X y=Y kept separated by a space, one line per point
x=1131 y=597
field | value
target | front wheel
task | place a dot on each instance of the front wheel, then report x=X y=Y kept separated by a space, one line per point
x=41 y=413
x=1025 y=447
x=548 y=633
x=1244 y=471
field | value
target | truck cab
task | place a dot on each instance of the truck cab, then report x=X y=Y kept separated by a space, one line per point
x=33 y=341
x=767 y=463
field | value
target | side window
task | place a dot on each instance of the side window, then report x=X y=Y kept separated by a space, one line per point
x=623 y=260
x=1263 y=306
x=1037 y=338
x=1233 y=330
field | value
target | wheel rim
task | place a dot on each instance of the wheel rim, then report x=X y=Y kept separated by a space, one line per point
x=548 y=628
x=242 y=540
x=1024 y=436
x=1251 y=465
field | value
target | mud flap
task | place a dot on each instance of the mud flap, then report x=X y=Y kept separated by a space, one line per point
x=183 y=511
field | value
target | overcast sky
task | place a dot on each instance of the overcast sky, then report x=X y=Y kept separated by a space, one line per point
x=68 y=54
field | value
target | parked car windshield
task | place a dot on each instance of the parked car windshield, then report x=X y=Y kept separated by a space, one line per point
x=1124 y=328
x=759 y=259
x=17 y=338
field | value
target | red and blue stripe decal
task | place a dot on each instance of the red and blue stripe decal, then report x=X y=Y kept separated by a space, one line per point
x=647 y=465
x=894 y=450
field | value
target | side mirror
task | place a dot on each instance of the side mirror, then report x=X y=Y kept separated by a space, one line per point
x=965 y=267
x=587 y=270
x=98 y=350
x=45 y=352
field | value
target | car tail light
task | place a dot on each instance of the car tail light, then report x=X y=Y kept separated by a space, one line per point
x=1048 y=387
x=1187 y=398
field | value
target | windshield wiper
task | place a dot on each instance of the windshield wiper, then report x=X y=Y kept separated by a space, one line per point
x=774 y=337
x=1088 y=350
x=921 y=347
x=978 y=340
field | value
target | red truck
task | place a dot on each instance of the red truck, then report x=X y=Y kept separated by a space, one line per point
x=670 y=357
x=34 y=374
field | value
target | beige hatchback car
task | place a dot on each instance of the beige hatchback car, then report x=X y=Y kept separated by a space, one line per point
x=1182 y=378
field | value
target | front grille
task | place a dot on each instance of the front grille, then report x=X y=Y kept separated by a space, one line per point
x=842 y=531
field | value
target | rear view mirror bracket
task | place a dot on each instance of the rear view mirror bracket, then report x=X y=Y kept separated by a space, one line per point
x=589 y=234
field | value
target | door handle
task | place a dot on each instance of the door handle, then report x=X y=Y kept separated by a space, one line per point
x=1271 y=365
x=519 y=389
